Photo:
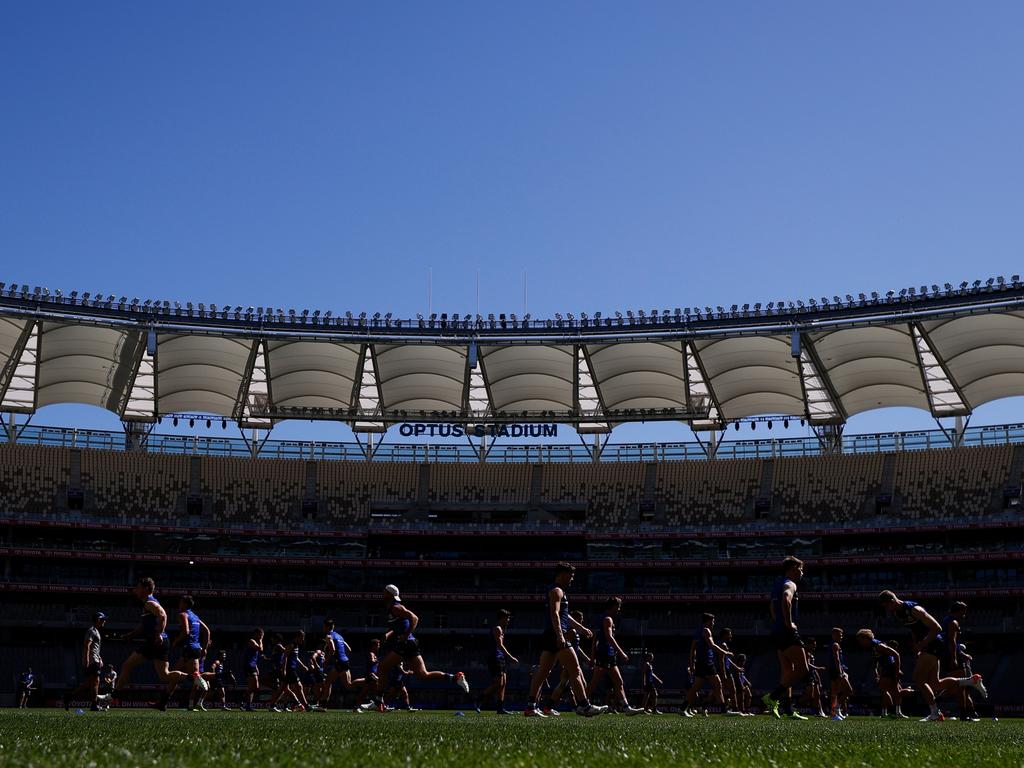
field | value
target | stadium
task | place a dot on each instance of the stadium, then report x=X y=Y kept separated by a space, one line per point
x=284 y=535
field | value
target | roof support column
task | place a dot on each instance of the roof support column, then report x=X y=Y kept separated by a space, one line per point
x=830 y=437
x=954 y=431
x=710 y=441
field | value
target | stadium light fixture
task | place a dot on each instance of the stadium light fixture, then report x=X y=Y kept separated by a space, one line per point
x=191 y=422
x=174 y=421
x=208 y=424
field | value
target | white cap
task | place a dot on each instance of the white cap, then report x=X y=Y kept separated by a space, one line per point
x=392 y=590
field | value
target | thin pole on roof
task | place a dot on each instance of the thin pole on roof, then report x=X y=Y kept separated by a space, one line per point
x=526 y=304
x=430 y=290
x=478 y=291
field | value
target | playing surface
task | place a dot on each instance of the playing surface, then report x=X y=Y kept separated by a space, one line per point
x=131 y=738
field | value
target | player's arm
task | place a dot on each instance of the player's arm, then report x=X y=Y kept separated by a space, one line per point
x=554 y=604
x=573 y=623
x=693 y=655
x=86 y=651
x=657 y=679
x=183 y=623
x=582 y=654
x=328 y=648
x=609 y=635
x=204 y=632
x=953 y=641
x=933 y=627
x=714 y=646
x=499 y=636
x=786 y=604
x=348 y=648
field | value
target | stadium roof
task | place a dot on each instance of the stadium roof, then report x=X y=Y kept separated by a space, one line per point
x=946 y=352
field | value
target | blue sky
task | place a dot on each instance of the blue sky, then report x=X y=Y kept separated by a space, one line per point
x=623 y=155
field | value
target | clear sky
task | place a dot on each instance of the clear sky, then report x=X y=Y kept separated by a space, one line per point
x=623 y=155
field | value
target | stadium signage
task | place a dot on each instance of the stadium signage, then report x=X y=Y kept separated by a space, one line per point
x=477 y=430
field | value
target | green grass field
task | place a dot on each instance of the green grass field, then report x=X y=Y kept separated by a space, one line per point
x=134 y=738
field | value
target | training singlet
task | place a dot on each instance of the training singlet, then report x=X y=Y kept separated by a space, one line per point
x=563 y=610
x=705 y=653
x=399 y=626
x=339 y=646
x=372 y=662
x=886 y=661
x=193 y=627
x=832 y=659
x=918 y=629
x=496 y=652
x=648 y=673
x=778 y=588
x=604 y=648
x=150 y=623
x=252 y=657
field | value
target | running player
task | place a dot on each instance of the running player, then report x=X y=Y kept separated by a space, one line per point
x=368 y=683
x=573 y=636
x=814 y=691
x=496 y=660
x=92 y=665
x=607 y=655
x=154 y=648
x=702 y=664
x=26 y=680
x=194 y=638
x=649 y=685
x=887 y=672
x=784 y=612
x=252 y=653
x=336 y=663
x=555 y=647
x=839 y=680
x=400 y=644
x=930 y=648
x=397 y=689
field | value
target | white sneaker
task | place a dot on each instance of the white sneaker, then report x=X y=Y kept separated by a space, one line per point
x=732 y=713
x=462 y=682
x=200 y=707
x=934 y=717
x=591 y=711
x=632 y=711
x=687 y=713
x=979 y=686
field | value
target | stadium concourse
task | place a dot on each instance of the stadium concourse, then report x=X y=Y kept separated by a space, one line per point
x=285 y=535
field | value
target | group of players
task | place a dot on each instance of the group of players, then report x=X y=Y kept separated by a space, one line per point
x=308 y=680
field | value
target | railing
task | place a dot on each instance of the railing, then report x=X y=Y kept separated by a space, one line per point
x=67 y=437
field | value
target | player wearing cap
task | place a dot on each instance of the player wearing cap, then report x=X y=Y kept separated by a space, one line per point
x=400 y=645
x=497 y=659
x=92 y=664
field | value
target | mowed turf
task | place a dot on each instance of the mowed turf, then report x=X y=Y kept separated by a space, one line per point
x=134 y=738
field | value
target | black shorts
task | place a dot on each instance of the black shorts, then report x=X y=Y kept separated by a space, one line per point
x=407 y=649
x=549 y=643
x=649 y=688
x=192 y=652
x=606 y=662
x=834 y=675
x=291 y=677
x=496 y=667
x=785 y=640
x=155 y=650
x=252 y=671
x=705 y=670
x=339 y=666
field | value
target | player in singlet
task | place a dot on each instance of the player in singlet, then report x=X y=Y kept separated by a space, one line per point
x=26 y=682
x=573 y=636
x=337 y=667
x=155 y=646
x=194 y=638
x=814 y=690
x=400 y=644
x=840 y=688
x=222 y=678
x=498 y=657
x=367 y=684
x=291 y=669
x=744 y=695
x=251 y=656
x=702 y=664
x=607 y=655
x=556 y=648
x=723 y=665
x=92 y=665
x=930 y=648
x=649 y=685
x=784 y=612
x=887 y=672
x=954 y=661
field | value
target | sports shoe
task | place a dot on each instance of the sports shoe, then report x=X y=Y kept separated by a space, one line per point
x=840 y=718
x=502 y=711
x=732 y=713
x=971 y=719
x=367 y=706
x=550 y=712
x=200 y=707
x=590 y=711
x=979 y=686
x=632 y=711
x=770 y=704
x=934 y=717
x=533 y=712
x=158 y=705
x=276 y=708
x=687 y=712
x=796 y=716
x=462 y=682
